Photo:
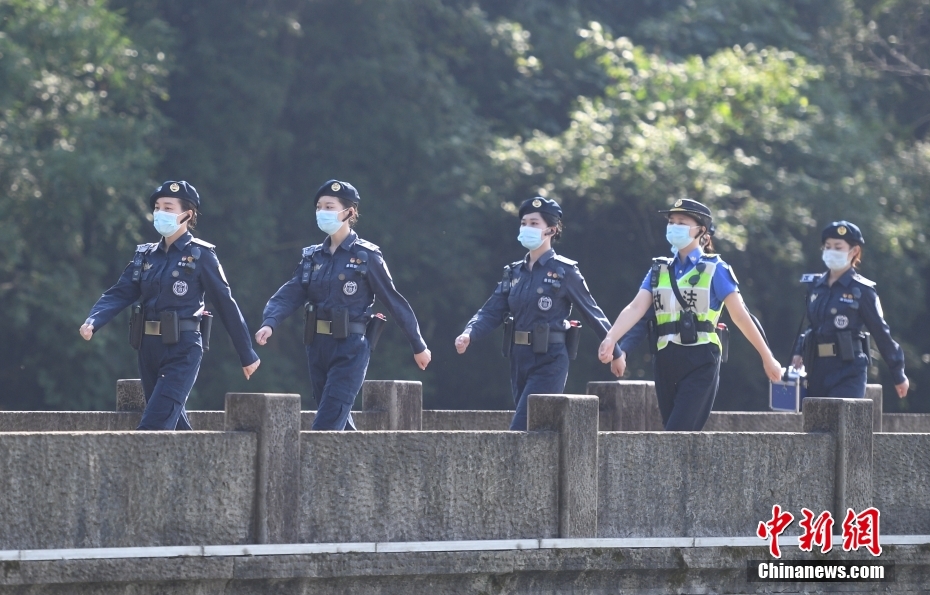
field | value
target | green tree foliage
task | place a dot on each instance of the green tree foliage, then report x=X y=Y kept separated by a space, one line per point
x=783 y=114
x=76 y=120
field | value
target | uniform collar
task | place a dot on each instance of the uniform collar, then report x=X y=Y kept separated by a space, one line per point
x=694 y=256
x=346 y=243
x=180 y=243
x=542 y=259
x=844 y=280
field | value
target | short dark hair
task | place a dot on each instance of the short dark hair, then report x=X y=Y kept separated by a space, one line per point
x=189 y=206
x=553 y=221
x=348 y=204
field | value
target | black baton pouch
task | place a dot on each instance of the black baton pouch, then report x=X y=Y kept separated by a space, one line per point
x=687 y=328
x=808 y=349
x=136 y=325
x=573 y=338
x=723 y=334
x=309 y=323
x=206 y=327
x=507 y=345
x=541 y=338
x=653 y=336
x=170 y=328
x=373 y=330
x=866 y=339
x=340 y=326
x=844 y=345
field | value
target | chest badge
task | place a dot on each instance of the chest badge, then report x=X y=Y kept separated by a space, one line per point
x=146 y=266
x=813 y=297
x=350 y=288
x=545 y=303
x=841 y=322
x=179 y=288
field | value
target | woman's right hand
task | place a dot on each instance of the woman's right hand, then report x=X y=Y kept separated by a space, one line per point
x=462 y=342
x=796 y=362
x=87 y=331
x=263 y=334
x=605 y=352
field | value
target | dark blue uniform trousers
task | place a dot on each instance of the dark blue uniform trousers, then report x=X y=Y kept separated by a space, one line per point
x=832 y=377
x=535 y=374
x=168 y=374
x=337 y=371
x=687 y=378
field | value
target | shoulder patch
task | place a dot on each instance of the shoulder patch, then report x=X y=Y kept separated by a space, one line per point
x=565 y=260
x=810 y=277
x=365 y=244
x=860 y=279
x=726 y=266
x=203 y=243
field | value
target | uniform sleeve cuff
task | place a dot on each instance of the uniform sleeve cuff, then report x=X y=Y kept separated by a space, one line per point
x=269 y=322
x=419 y=348
x=249 y=359
x=899 y=376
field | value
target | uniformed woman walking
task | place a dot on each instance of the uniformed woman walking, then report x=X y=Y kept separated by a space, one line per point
x=169 y=279
x=684 y=297
x=338 y=281
x=840 y=302
x=538 y=292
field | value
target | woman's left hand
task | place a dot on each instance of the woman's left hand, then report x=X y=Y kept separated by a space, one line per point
x=618 y=366
x=249 y=370
x=423 y=358
x=902 y=388
x=772 y=368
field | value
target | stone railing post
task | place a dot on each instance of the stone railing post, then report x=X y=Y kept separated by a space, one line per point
x=276 y=420
x=873 y=392
x=402 y=401
x=627 y=405
x=574 y=417
x=850 y=421
x=129 y=395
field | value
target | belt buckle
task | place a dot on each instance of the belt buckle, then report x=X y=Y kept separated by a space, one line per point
x=826 y=349
x=521 y=337
x=324 y=327
x=152 y=327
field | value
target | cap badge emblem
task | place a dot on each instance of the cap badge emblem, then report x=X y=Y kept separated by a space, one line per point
x=841 y=230
x=336 y=187
x=537 y=203
x=679 y=202
x=174 y=187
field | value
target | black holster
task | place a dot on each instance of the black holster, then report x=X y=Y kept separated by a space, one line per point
x=206 y=327
x=687 y=328
x=844 y=346
x=540 y=338
x=340 y=326
x=507 y=345
x=808 y=348
x=866 y=339
x=170 y=327
x=572 y=339
x=136 y=325
x=309 y=323
x=723 y=334
x=373 y=330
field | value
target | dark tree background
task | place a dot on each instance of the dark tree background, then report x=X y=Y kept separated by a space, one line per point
x=781 y=114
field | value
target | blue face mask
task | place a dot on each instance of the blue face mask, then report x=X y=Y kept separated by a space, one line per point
x=166 y=223
x=836 y=260
x=679 y=236
x=530 y=237
x=329 y=222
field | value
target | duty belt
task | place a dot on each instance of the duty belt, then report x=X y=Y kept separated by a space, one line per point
x=671 y=328
x=526 y=337
x=831 y=349
x=325 y=327
x=153 y=327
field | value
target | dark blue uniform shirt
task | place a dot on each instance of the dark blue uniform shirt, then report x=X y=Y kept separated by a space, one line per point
x=349 y=278
x=169 y=282
x=849 y=304
x=542 y=295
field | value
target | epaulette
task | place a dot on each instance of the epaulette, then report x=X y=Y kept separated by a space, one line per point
x=367 y=245
x=715 y=258
x=565 y=260
x=514 y=264
x=867 y=282
x=666 y=260
x=203 y=243
x=810 y=277
x=146 y=248
x=309 y=250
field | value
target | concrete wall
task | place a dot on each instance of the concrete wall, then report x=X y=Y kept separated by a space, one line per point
x=60 y=490
x=912 y=423
x=901 y=482
x=706 y=484
x=440 y=419
x=398 y=486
